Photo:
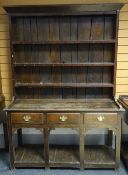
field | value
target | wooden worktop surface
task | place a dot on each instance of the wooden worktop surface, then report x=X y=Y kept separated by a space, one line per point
x=52 y=105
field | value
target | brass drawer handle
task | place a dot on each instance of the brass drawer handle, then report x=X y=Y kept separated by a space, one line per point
x=27 y=118
x=63 y=118
x=100 y=118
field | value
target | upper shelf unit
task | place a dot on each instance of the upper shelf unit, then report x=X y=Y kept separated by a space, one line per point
x=64 y=51
x=63 y=30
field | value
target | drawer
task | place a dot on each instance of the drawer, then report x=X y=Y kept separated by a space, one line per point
x=110 y=118
x=31 y=118
x=63 y=118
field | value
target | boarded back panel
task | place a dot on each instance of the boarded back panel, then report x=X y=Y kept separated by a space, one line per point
x=122 y=72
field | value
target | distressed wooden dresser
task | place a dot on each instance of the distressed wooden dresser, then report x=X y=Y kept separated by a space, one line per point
x=64 y=71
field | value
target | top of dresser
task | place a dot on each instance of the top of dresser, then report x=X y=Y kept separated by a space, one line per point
x=63 y=8
x=54 y=105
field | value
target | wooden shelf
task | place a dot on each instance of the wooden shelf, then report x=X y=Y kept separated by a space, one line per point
x=107 y=64
x=70 y=154
x=111 y=41
x=28 y=154
x=64 y=85
x=99 y=156
x=101 y=13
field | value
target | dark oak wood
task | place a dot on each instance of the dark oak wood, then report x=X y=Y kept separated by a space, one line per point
x=68 y=118
x=19 y=137
x=63 y=64
x=101 y=156
x=53 y=105
x=31 y=118
x=64 y=42
x=64 y=71
x=28 y=154
x=108 y=119
x=69 y=153
x=41 y=84
x=64 y=9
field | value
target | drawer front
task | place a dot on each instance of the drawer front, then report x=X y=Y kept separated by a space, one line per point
x=63 y=118
x=109 y=118
x=31 y=118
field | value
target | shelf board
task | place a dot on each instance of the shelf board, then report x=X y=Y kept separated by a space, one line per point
x=65 y=42
x=29 y=154
x=70 y=154
x=64 y=85
x=107 y=64
x=100 y=156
